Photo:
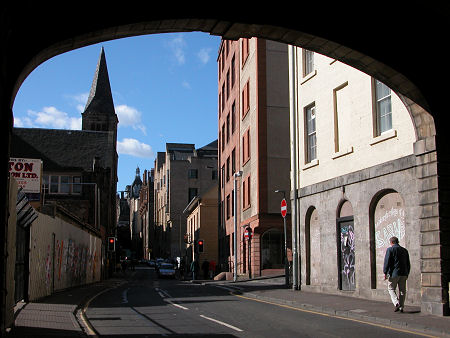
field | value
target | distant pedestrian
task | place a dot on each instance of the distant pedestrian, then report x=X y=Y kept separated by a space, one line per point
x=194 y=269
x=212 y=269
x=205 y=268
x=396 y=270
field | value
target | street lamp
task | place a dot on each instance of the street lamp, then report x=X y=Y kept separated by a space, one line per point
x=236 y=175
x=286 y=264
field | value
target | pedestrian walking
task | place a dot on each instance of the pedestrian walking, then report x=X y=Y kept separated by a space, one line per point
x=396 y=270
x=194 y=269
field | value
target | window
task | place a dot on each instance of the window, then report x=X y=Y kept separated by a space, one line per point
x=383 y=108
x=54 y=184
x=246 y=192
x=228 y=128
x=214 y=174
x=228 y=84
x=308 y=62
x=62 y=184
x=228 y=207
x=233 y=72
x=192 y=173
x=64 y=187
x=192 y=193
x=246 y=146
x=233 y=161
x=232 y=203
x=228 y=168
x=76 y=187
x=223 y=136
x=223 y=96
x=233 y=117
x=223 y=175
x=246 y=99
x=311 y=145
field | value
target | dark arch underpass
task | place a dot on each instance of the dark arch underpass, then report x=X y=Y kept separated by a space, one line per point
x=401 y=45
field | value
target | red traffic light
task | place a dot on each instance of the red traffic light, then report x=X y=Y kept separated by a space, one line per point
x=200 y=242
x=111 y=240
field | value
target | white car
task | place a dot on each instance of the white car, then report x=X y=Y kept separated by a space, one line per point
x=166 y=270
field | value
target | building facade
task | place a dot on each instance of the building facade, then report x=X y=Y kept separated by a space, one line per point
x=201 y=237
x=146 y=214
x=253 y=131
x=182 y=172
x=356 y=179
x=133 y=195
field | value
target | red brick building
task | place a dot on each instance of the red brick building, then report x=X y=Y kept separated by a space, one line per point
x=253 y=132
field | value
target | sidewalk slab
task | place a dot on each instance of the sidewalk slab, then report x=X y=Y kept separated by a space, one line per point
x=56 y=315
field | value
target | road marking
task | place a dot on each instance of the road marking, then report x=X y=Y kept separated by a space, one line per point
x=338 y=317
x=222 y=323
x=176 y=305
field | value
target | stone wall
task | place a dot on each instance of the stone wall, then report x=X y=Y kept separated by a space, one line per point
x=362 y=189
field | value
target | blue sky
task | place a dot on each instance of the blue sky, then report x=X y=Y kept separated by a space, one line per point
x=164 y=89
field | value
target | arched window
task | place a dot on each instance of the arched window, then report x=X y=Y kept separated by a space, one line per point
x=387 y=219
x=346 y=246
x=312 y=247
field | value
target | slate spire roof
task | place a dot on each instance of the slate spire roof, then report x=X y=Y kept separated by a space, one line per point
x=100 y=97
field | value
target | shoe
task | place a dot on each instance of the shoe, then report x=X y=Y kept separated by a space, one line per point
x=401 y=309
x=397 y=308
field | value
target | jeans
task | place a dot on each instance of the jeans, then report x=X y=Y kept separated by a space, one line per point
x=399 y=281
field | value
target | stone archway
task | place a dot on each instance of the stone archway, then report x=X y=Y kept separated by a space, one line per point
x=33 y=35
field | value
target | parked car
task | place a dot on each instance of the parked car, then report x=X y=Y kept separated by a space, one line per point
x=166 y=270
x=151 y=263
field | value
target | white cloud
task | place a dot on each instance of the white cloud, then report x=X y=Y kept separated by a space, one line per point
x=80 y=100
x=130 y=117
x=49 y=117
x=133 y=147
x=177 y=45
x=204 y=55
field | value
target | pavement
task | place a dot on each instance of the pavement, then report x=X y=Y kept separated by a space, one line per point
x=61 y=313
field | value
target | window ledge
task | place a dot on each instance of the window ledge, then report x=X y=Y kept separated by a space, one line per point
x=383 y=137
x=341 y=153
x=308 y=77
x=311 y=164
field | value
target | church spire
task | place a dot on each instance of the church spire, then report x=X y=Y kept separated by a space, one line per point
x=99 y=113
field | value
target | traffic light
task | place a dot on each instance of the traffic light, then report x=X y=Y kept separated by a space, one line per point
x=111 y=244
x=200 y=245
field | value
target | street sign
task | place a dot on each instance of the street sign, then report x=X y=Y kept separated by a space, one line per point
x=283 y=207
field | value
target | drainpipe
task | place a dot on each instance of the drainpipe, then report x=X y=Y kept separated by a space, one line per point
x=293 y=143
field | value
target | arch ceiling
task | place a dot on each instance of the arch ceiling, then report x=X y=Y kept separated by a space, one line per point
x=398 y=44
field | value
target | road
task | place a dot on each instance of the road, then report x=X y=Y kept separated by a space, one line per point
x=147 y=306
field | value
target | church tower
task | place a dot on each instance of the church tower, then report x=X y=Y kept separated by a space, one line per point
x=99 y=113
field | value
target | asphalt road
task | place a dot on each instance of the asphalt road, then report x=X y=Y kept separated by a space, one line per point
x=148 y=306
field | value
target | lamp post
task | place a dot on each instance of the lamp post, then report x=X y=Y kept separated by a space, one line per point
x=286 y=264
x=236 y=175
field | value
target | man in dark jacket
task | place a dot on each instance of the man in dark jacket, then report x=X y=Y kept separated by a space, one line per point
x=396 y=270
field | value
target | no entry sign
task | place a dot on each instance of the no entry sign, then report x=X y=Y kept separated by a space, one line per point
x=283 y=207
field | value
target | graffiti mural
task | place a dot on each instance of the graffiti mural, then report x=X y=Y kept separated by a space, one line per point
x=347 y=253
x=61 y=256
x=389 y=221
